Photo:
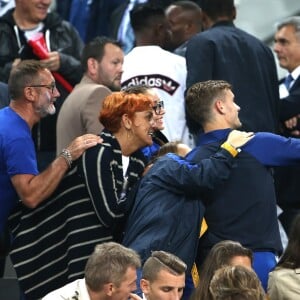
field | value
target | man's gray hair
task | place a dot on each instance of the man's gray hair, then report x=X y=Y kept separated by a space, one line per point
x=108 y=264
x=290 y=21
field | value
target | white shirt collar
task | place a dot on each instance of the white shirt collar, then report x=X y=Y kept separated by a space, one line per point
x=296 y=73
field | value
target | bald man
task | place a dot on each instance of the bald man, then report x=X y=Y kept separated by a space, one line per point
x=184 y=18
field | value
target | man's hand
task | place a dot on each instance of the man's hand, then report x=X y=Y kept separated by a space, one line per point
x=33 y=189
x=81 y=143
x=16 y=62
x=238 y=138
x=52 y=62
x=291 y=125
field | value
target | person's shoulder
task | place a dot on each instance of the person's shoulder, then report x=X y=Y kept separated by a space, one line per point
x=250 y=37
x=211 y=35
x=8 y=15
x=90 y=87
x=167 y=57
x=70 y=291
x=175 y=57
x=54 y=20
x=99 y=88
x=7 y=20
x=282 y=273
x=93 y=95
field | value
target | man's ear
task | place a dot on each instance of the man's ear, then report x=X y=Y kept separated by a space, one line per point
x=145 y=286
x=126 y=121
x=108 y=289
x=92 y=65
x=29 y=93
x=219 y=105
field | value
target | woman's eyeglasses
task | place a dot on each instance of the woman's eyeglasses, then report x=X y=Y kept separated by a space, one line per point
x=158 y=107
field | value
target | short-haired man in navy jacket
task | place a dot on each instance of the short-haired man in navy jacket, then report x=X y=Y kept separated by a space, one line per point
x=244 y=207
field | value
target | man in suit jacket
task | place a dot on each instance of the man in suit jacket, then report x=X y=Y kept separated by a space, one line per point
x=287 y=49
x=225 y=52
x=102 y=61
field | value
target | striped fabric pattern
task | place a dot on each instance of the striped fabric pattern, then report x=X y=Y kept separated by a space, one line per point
x=53 y=241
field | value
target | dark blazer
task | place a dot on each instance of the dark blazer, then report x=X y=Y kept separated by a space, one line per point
x=288 y=198
x=4 y=95
x=290 y=105
x=228 y=53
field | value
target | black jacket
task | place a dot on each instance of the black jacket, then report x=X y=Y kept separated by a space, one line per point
x=64 y=39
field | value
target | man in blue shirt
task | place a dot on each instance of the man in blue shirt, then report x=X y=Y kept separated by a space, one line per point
x=33 y=92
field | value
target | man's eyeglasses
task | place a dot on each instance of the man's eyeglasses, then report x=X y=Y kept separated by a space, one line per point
x=158 y=107
x=51 y=86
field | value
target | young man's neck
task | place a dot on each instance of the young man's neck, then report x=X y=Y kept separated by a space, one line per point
x=216 y=125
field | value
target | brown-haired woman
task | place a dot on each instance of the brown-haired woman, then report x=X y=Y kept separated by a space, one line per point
x=224 y=253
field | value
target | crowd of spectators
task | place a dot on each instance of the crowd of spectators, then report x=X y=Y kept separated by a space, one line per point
x=94 y=95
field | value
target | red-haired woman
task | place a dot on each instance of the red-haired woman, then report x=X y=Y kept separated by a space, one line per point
x=53 y=241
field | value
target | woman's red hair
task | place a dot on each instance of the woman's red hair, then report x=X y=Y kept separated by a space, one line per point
x=117 y=104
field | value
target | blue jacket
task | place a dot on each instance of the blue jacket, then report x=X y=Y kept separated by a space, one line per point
x=244 y=207
x=168 y=211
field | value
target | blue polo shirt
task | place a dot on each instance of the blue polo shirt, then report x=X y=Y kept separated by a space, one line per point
x=17 y=156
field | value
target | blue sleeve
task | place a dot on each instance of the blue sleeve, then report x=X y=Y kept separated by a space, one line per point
x=274 y=150
x=20 y=157
x=150 y=151
x=180 y=175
